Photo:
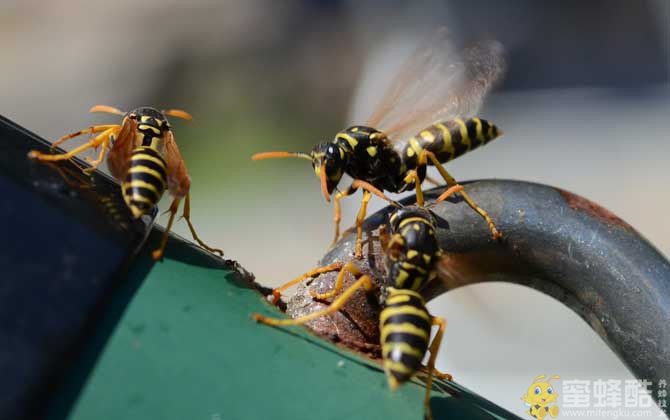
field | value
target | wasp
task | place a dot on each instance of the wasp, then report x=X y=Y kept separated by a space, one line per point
x=143 y=155
x=426 y=117
x=414 y=255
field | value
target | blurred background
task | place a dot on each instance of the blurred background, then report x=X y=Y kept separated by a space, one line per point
x=584 y=106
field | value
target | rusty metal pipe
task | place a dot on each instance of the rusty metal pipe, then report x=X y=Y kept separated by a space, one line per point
x=555 y=242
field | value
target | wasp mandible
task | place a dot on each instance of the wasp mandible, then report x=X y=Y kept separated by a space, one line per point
x=143 y=155
x=426 y=117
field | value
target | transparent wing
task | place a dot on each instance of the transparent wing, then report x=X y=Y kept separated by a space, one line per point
x=438 y=83
x=455 y=270
x=179 y=181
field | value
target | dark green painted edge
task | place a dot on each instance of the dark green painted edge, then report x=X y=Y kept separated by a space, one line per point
x=178 y=342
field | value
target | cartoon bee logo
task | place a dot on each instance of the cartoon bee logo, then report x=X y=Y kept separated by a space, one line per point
x=541 y=398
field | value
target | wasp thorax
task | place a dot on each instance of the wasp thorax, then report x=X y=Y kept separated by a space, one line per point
x=151 y=125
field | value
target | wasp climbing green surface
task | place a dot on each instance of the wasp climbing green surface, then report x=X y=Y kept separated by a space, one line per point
x=143 y=155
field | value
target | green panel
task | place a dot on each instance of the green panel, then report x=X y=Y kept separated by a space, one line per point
x=187 y=348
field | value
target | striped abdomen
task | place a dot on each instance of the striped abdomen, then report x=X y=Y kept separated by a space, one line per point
x=145 y=181
x=405 y=330
x=450 y=139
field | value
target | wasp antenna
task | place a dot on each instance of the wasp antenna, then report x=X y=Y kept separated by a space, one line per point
x=178 y=113
x=106 y=108
x=274 y=155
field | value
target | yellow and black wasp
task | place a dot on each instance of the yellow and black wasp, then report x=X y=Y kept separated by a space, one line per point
x=426 y=117
x=143 y=155
x=413 y=254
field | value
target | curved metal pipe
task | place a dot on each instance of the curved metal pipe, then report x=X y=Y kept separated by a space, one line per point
x=555 y=242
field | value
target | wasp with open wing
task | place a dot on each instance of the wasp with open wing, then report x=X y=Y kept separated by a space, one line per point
x=426 y=117
x=143 y=155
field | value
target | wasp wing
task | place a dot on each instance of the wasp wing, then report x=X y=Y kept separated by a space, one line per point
x=438 y=83
x=460 y=269
x=456 y=270
x=178 y=180
x=118 y=159
x=409 y=83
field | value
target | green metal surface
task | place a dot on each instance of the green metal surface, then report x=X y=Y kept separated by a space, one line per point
x=185 y=347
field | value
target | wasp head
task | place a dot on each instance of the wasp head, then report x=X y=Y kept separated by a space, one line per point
x=410 y=212
x=150 y=117
x=329 y=161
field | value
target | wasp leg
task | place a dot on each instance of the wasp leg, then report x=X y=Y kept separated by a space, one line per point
x=94 y=143
x=438 y=374
x=358 y=253
x=359 y=183
x=158 y=253
x=355 y=185
x=394 y=246
x=349 y=267
x=443 y=375
x=94 y=129
x=276 y=293
x=384 y=237
x=95 y=163
x=434 y=347
x=448 y=193
x=389 y=242
x=452 y=182
x=364 y=281
x=338 y=210
x=414 y=176
x=105 y=147
x=368 y=189
x=187 y=216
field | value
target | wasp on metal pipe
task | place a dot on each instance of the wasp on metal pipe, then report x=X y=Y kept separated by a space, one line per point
x=143 y=155
x=426 y=117
x=413 y=255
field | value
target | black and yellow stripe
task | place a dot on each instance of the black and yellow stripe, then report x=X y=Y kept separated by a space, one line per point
x=145 y=182
x=451 y=139
x=413 y=231
x=405 y=332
